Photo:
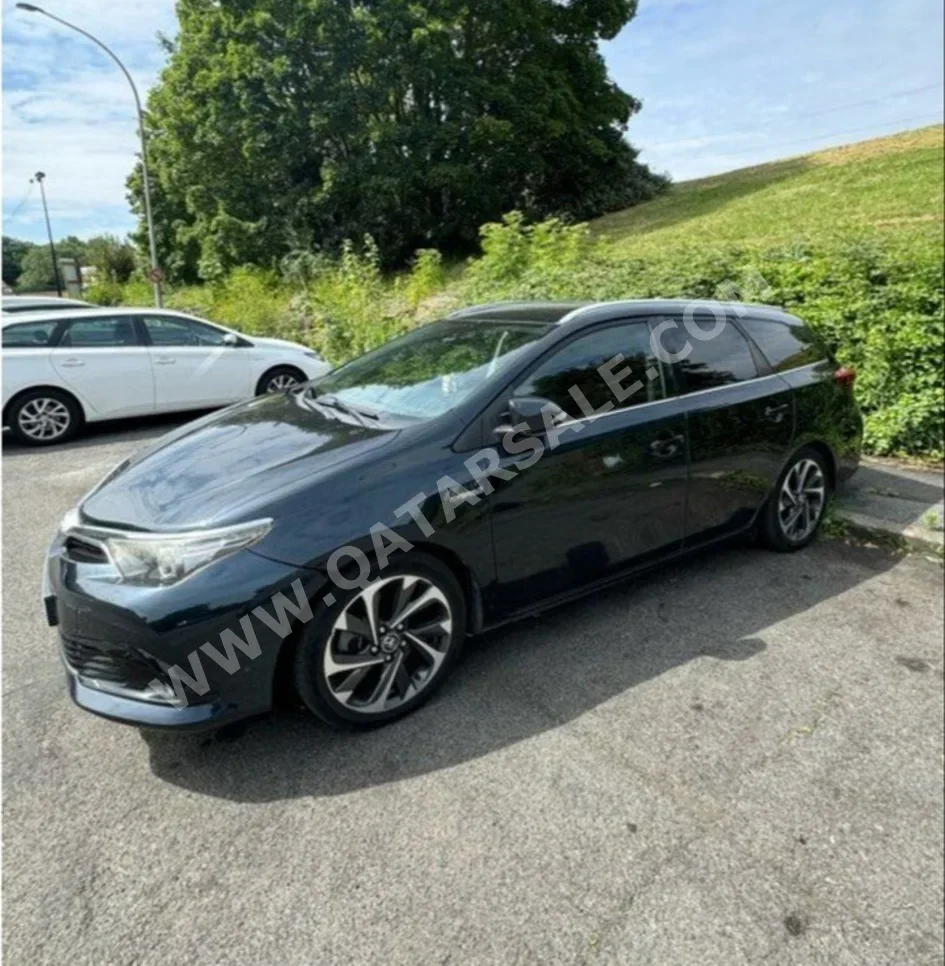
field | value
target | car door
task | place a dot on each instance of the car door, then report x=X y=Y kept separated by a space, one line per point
x=102 y=358
x=612 y=492
x=194 y=367
x=741 y=423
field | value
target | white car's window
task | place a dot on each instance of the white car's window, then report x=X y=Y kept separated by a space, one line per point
x=166 y=331
x=99 y=333
x=28 y=335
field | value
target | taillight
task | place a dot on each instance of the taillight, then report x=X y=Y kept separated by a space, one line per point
x=845 y=376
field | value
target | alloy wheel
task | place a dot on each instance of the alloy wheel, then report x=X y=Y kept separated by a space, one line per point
x=802 y=500
x=388 y=643
x=44 y=418
x=285 y=380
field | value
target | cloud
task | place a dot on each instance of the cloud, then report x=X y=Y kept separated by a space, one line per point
x=68 y=111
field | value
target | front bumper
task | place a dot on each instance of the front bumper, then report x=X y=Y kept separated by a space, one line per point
x=147 y=714
x=116 y=639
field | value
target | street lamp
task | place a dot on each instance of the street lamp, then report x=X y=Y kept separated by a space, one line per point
x=40 y=176
x=155 y=272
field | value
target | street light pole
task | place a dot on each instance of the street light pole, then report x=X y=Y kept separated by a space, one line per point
x=155 y=271
x=40 y=177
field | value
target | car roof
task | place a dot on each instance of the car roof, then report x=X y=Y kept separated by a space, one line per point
x=583 y=313
x=83 y=313
x=24 y=303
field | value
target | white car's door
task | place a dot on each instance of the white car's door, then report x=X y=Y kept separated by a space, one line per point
x=193 y=366
x=103 y=359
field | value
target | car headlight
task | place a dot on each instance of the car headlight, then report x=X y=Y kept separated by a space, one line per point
x=160 y=559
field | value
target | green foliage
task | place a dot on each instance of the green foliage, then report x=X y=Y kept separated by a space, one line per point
x=873 y=289
x=278 y=127
x=14 y=251
x=113 y=259
x=37 y=264
x=426 y=278
x=105 y=291
x=521 y=260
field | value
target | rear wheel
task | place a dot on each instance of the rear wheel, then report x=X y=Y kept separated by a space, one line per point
x=384 y=649
x=796 y=508
x=41 y=417
x=280 y=378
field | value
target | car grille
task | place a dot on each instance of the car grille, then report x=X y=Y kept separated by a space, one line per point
x=112 y=663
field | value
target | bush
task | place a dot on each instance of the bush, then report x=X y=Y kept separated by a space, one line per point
x=877 y=298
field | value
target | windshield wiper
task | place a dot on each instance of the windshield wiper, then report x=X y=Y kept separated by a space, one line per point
x=333 y=402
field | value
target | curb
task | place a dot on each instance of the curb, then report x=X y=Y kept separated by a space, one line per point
x=910 y=537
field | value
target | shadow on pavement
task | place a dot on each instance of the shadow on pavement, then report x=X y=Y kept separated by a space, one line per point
x=527 y=678
x=899 y=495
x=107 y=431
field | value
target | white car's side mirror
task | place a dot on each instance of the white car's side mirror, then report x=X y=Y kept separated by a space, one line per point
x=231 y=338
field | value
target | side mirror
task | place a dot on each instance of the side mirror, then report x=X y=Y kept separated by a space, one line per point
x=231 y=339
x=530 y=412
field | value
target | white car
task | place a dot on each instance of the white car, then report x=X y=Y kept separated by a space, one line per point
x=40 y=303
x=62 y=369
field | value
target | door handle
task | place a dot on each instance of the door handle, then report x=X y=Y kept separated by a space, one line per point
x=165 y=361
x=776 y=413
x=72 y=363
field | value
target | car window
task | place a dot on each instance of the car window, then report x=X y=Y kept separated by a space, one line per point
x=721 y=360
x=168 y=331
x=785 y=346
x=578 y=364
x=432 y=369
x=99 y=333
x=28 y=335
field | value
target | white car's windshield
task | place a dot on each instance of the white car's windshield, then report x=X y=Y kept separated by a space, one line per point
x=430 y=370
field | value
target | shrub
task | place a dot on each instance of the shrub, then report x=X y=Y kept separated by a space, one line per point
x=877 y=298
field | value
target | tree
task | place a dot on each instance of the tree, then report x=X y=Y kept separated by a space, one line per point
x=280 y=125
x=113 y=260
x=38 y=275
x=14 y=251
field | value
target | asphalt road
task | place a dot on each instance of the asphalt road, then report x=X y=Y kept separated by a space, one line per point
x=737 y=760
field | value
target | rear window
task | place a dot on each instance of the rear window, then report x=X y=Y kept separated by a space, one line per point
x=719 y=361
x=785 y=346
x=28 y=335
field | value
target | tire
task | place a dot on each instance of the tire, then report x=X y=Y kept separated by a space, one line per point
x=805 y=476
x=411 y=673
x=44 y=417
x=278 y=379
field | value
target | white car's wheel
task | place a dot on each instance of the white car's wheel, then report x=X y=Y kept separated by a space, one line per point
x=279 y=379
x=41 y=417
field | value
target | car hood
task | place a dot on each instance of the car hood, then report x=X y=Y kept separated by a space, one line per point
x=264 y=342
x=228 y=465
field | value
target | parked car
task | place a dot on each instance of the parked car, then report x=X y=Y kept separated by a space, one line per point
x=14 y=304
x=63 y=369
x=196 y=543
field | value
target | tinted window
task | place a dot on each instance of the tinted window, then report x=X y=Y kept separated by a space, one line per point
x=28 y=335
x=578 y=363
x=99 y=333
x=718 y=361
x=164 y=330
x=785 y=346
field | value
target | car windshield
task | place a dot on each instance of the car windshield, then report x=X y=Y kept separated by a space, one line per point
x=430 y=370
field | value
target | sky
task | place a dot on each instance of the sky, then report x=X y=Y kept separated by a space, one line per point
x=724 y=83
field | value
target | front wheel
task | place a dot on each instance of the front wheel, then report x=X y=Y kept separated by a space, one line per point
x=279 y=379
x=383 y=649
x=796 y=507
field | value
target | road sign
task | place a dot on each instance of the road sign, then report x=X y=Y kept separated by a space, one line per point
x=155 y=275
